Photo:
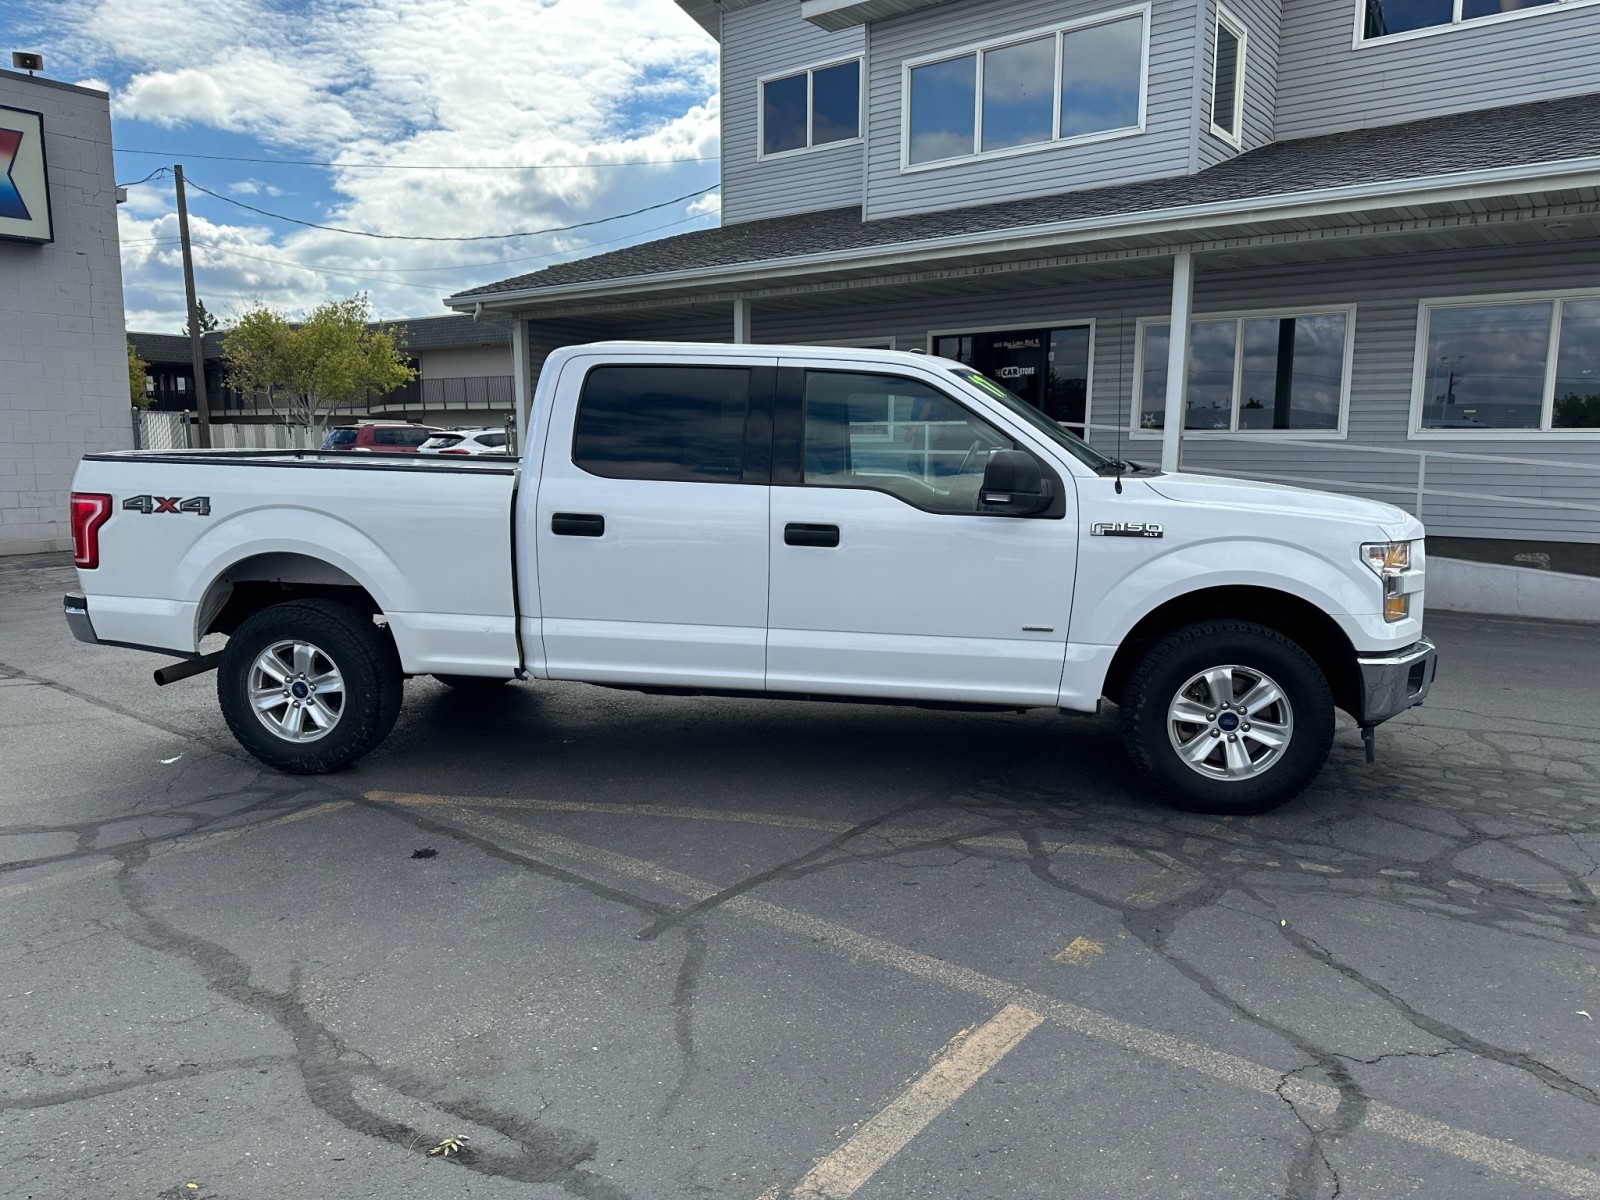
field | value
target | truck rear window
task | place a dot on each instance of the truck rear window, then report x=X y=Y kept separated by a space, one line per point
x=671 y=423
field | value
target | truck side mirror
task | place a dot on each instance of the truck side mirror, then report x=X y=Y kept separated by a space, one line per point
x=1014 y=485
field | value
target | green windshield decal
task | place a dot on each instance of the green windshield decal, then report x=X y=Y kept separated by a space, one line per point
x=987 y=384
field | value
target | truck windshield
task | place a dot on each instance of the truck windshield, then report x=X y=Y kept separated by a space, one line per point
x=1075 y=446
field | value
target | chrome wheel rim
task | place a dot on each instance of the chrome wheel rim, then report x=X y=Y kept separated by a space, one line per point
x=296 y=691
x=1230 y=723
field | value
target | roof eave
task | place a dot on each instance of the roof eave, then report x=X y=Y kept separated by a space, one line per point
x=1467 y=185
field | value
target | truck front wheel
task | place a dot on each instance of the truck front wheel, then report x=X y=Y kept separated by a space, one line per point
x=309 y=686
x=1227 y=717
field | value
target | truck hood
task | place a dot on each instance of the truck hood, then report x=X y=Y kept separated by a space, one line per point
x=1277 y=498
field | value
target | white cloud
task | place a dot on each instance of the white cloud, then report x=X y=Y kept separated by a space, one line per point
x=418 y=82
x=710 y=203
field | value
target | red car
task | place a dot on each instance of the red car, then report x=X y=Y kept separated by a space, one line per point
x=380 y=437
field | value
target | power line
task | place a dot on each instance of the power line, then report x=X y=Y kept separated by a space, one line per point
x=296 y=162
x=481 y=237
x=146 y=179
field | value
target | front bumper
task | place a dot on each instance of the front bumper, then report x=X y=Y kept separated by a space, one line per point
x=76 y=608
x=1395 y=681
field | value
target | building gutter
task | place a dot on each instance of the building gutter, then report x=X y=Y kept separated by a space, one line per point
x=1320 y=202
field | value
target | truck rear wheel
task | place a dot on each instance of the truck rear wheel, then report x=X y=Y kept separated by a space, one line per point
x=1227 y=717
x=309 y=686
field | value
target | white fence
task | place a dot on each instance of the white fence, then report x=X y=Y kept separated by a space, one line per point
x=180 y=431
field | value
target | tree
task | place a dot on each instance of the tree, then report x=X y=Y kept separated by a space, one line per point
x=334 y=358
x=206 y=321
x=137 y=395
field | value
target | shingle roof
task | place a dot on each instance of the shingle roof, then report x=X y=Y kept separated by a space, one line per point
x=1524 y=135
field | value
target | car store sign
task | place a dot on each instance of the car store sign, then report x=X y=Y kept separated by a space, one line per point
x=24 y=194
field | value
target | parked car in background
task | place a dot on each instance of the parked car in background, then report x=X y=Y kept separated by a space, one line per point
x=380 y=437
x=465 y=441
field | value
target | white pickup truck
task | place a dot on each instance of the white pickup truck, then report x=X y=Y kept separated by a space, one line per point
x=768 y=521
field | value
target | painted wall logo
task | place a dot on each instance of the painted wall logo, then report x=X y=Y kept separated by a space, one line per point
x=24 y=188
x=11 y=204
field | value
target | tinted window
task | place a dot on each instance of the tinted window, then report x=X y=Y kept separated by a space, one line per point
x=491 y=439
x=442 y=440
x=1102 y=72
x=338 y=439
x=1402 y=16
x=400 y=437
x=1486 y=366
x=898 y=436
x=836 y=103
x=783 y=114
x=1019 y=84
x=943 y=110
x=682 y=424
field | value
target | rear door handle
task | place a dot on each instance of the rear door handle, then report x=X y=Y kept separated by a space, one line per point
x=578 y=524
x=811 y=535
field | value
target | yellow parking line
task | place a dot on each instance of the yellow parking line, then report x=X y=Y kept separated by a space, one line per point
x=1497 y=1155
x=963 y=1061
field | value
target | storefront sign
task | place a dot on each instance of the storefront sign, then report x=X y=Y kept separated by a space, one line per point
x=24 y=193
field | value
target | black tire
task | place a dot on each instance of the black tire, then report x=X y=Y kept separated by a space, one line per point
x=1160 y=681
x=472 y=683
x=363 y=656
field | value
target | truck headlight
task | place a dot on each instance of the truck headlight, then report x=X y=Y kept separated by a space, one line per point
x=1391 y=563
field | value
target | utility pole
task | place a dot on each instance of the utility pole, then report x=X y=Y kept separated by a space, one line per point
x=196 y=337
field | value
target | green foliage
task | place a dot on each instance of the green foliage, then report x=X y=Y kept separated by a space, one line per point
x=207 y=322
x=1577 y=412
x=307 y=370
x=137 y=396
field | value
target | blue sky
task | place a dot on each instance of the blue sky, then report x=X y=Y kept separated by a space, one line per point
x=445 y=117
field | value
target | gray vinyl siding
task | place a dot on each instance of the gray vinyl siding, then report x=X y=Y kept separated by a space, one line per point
x=760 y=41
x=1260 y=20
x=1386 y=293
x=1164 y=149
x=1326 y=85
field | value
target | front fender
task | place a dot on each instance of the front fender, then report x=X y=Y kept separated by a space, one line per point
x=1120 y=583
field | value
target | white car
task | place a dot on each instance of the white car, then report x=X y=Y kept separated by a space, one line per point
x=465 y=441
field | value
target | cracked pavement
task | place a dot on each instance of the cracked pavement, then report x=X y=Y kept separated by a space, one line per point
x=682 y=948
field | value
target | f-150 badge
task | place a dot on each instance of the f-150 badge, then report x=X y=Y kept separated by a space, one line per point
x=200 y=506
x=1138 y=529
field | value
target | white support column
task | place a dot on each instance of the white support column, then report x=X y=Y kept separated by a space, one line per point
x=1177 y=359
x=741 y=322
x=521 y=382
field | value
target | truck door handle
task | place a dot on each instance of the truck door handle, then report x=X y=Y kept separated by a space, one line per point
x=811 y=535
x=578 y=524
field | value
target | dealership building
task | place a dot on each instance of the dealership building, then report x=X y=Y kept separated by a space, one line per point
x=63 y=362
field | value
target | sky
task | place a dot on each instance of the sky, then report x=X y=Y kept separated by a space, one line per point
x=442 y=118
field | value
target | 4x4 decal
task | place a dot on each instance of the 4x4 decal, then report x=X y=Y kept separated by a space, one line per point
x=200 y=506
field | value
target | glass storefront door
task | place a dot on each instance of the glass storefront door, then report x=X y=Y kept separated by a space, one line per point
x=1049 y=368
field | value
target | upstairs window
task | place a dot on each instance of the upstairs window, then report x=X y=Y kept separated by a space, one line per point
x=1385 y=18
x=1084 y=81
x=1227 y=79
x=816 y=107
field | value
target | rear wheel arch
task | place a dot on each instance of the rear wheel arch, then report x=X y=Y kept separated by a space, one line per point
x=260 y=581
x=1297 y=619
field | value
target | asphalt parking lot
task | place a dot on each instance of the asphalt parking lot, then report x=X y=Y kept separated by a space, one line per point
x=637 y=947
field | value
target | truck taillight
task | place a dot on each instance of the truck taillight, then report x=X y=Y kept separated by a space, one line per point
x=90 y=510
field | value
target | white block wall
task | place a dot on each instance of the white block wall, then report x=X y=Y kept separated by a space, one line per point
x=63 y=356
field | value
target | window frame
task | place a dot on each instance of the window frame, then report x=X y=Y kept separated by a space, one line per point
x=1236 y=27
x=1055 y=141
x=1419 y=369
x=1049 y=324
x=810 y=73
x=1361 y=41
x=1339 y=433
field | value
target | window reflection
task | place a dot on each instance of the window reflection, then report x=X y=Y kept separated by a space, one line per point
x=943 y=112
x=1019 y=94
x=1486 y=366
x=1102 y=71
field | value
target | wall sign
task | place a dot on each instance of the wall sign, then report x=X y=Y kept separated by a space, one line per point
x=24 y=193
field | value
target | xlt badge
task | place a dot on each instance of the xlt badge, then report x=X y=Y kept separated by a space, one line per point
x=1138 y=529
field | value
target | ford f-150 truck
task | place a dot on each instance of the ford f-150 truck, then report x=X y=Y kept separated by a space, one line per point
x=769 y=521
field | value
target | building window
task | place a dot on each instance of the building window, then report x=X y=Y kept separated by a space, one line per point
x=1267 y=373
x=1386 y=18
x=816 y=107
x=1086 y=80
x=677 y=424
x=1227 y=79
x=1049 y=368
x=1518 y=365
